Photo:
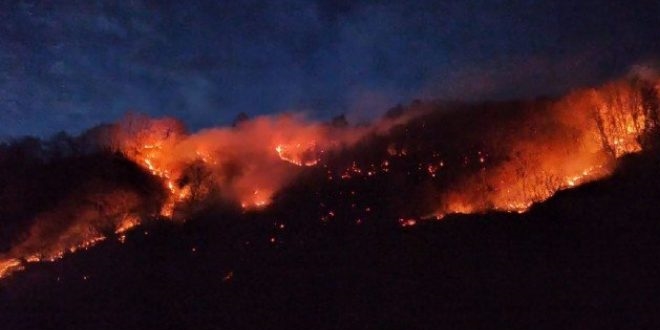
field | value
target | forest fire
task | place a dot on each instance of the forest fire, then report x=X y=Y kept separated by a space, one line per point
x=247 y=163
x=234 y=162
x=9 y=266
x=298 y=155
x=506 y=164
x=78 y=223
x=577 y=140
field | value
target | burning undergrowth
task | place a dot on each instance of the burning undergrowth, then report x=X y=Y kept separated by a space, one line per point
x=418 y=162
x=56 y=201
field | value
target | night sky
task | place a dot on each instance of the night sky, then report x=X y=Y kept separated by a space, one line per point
x=69 y=65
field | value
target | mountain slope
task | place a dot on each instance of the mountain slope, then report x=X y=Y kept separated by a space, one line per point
x=586 y=258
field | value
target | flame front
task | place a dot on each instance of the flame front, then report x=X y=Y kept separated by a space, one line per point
x=576 y=140
x=298 y=154
x=246 y=163
x=521 y=161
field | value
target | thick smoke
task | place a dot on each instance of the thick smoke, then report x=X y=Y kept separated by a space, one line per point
x=429 y=158
x=245 y=164
x=115 y=176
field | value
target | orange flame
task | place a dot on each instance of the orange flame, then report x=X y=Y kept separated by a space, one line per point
x=248 y=163
x=575 y=141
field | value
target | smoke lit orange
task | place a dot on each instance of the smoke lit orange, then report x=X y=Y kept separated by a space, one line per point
x=522 y=161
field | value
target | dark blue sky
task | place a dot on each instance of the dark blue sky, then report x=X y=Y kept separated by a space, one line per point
x=68 y=65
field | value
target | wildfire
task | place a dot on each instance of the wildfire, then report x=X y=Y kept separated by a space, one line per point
x=149 y=156
x=247 y=164
x=9 y=266
x=514 y=164
x=298 y=154
x=127 y=223
x=236 y=161
x=583 y=136
x=259 y=199
x=407 y=222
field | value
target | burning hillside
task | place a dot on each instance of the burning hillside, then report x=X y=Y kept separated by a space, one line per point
x=557 y=146
x=430 y=160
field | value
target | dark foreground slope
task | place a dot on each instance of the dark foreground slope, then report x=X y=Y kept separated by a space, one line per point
x=589 y=258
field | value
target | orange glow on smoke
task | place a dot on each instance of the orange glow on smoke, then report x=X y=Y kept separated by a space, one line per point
x=524 y=161
x=298 y=154
x=247 y=164
x=576 y=141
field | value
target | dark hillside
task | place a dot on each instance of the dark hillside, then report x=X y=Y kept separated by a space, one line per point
x=587 y=258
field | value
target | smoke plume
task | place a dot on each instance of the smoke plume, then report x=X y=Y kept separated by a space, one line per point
x=430 y=158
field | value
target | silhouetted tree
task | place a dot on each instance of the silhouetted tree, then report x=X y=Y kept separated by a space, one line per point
x=651 y=108
x=339 y=121
x=240 y=118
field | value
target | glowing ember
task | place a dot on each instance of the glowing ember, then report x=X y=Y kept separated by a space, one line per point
x=228 y=277
x=407 y=222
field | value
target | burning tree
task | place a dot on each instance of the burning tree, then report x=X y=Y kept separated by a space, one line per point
x=620 y=119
